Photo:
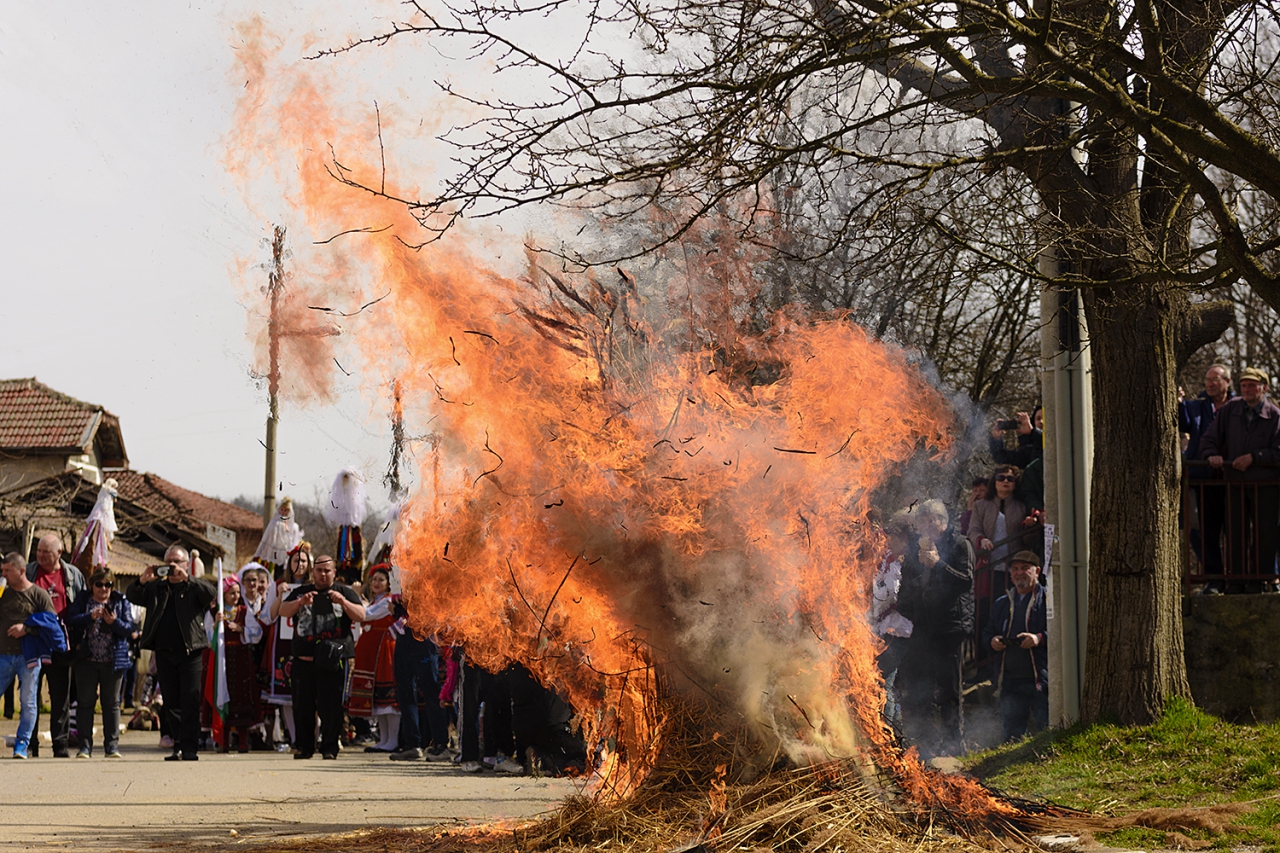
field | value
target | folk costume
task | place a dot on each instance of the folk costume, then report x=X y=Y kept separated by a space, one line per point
x=373 y=678
x=346 y=511
x=281 y=539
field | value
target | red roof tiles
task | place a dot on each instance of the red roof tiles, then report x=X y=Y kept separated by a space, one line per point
x=35 y=417
x=191 y=509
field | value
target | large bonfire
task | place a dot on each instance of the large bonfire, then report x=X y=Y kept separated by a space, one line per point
x=661 y=512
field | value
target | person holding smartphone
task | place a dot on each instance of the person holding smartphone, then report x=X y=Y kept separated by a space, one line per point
x=101 y=617
x=323 y=643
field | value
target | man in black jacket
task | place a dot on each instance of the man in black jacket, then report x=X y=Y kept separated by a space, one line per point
x=63 y=582
x=936 y=594
x=322 y=613
x=1243 y=442
x=176 y=604
x=1018 y=629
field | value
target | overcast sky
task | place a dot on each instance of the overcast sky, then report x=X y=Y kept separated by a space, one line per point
x=120 y=235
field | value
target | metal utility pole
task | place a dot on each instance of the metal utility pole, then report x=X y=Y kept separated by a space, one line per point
x=1067 y=385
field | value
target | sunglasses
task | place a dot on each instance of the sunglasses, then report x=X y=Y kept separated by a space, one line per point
x=1006 y=478
x=103 y=585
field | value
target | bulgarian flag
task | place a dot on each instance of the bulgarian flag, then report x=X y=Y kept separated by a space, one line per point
x=216 y=677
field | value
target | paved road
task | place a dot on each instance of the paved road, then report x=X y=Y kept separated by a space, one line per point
x=141 y=800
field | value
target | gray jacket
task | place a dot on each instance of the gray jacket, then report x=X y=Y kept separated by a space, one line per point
x=982 y=524
x=72 y=578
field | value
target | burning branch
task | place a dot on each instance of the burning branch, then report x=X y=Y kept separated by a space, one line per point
x=542 y=623
x=489 y=449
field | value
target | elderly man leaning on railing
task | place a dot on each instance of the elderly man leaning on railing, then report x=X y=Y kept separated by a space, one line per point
x=1243 y=443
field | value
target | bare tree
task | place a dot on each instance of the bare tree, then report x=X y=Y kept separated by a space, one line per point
x=1139 y=129
x=917 y=278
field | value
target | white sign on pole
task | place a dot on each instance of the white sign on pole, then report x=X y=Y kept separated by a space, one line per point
x=1048 y=559
x=286 y=624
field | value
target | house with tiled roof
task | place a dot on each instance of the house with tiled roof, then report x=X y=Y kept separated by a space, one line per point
x=55 y=451
x=235 y=530
x=151 y=514
x=44 y=433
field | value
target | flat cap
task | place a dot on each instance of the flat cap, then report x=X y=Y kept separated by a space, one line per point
x=1255 y=374
x=1028 y=557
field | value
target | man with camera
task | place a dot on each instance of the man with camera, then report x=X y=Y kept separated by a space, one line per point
x=176 y=604
x=322 y=613
x=1018 y=629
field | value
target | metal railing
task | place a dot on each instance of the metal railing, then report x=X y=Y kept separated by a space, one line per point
x=1230 y=527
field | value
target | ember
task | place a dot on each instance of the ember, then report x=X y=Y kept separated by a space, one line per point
x=609 y=498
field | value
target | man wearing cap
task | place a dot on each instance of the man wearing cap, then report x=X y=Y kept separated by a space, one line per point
x=1244 y=443
x=1018 y=630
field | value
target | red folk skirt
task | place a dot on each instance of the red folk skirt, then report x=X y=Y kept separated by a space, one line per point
x=373 y=675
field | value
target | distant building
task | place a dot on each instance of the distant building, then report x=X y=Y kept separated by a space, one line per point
x=44 y=433
x=55 y=451
x=237 y=531
x=151 y=514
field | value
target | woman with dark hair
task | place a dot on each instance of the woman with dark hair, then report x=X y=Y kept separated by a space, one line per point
x=373 y=675
x=994 y=521
x=243 y=695
x=979 y=490
x=999 y=517
x=277 y=654
x=101 y=616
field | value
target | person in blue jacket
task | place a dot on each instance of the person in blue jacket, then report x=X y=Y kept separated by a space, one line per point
x=101 y=620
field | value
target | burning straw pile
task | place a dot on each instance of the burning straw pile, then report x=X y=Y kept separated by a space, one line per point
x=660 y=504
x=690 y=803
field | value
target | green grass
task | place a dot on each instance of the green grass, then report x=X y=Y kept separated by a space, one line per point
x=1187 y=759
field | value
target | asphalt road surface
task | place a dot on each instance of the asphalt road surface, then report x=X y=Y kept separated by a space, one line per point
x=142 y=801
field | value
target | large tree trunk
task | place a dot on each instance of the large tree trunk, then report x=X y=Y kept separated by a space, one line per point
x=1135 y=646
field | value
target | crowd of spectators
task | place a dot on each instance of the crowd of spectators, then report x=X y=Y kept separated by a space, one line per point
x=965 y=593
x=1231 y=514
x=969 y=595
x=312 y=665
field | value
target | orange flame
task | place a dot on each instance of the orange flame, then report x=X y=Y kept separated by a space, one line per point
x=601 y=499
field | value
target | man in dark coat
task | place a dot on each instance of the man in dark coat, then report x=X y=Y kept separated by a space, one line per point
x=936 y=594
x=176 y=604
x=1195 y=416
x=1244 y=443
x=1019 y=630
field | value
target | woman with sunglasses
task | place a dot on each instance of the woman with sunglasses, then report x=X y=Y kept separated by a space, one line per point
x=994 y=520
x=998 y=517
x=100 y=616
